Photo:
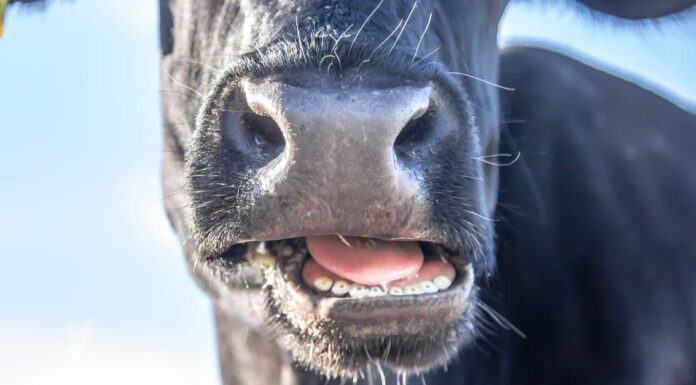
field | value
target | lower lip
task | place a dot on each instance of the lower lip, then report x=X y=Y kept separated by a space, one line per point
x=386 y=306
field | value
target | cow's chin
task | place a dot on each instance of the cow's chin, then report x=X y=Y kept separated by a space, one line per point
x=343 y=330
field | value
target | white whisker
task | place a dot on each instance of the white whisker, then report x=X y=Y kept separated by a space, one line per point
x=387 y=38
x=299 y=37
x=484 y=81
x=426 y=56
x=430 y=17
x=510 y=163
x=182 y=84
x=502 y=321
x=415 y=3
x=364 y=24
x=343 y=239
x=380 y=372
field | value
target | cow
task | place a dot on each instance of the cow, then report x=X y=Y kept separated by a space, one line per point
x=371 y=190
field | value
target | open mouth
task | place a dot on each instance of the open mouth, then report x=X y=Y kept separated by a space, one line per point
x=350 y=268
x=355 y=300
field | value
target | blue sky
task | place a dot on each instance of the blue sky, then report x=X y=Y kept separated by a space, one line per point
x=93 y=288
x=658 y=55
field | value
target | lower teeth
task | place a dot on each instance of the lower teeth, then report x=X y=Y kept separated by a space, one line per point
x=358 y=291
x=323 y=283
x=376 y=292
x=396 y=291
x=413 y=289
x=442 y=282
x=428 y=287
x=339 y=288
x=264 y=260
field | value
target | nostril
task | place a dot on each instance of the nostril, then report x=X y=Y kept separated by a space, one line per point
x=263 y=129
x=255 y=135
x=417 y=132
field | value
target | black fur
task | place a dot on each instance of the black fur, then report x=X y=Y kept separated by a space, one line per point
x=596 y=241
x=639 y=9
x=166 y=22
x=582 y=216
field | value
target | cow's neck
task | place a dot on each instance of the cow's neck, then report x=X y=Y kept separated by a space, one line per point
x=248 y=356
x=248 y=353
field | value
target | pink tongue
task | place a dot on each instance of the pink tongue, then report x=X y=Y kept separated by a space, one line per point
x=366 y=261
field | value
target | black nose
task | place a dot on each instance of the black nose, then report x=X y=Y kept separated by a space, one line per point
x=339 y=160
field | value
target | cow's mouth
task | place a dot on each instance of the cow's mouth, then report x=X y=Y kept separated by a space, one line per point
x=353 y=268
x=357 y=301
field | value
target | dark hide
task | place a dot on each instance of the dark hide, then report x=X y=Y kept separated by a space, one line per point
x=595 y=237
x=596 y=229
x=166 y=23
x=639 y=9
x=595 y=219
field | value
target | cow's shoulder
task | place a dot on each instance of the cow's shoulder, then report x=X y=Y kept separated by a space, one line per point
x=596 y=225
x=592 y=140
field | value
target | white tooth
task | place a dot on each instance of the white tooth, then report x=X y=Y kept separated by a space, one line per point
x=340 y=288
x=396 y=291
x=427 y=287
x=286 y=250
x=413 y=289
x=376 y=291
x=358 y=291
x=263 y=259
x=323 y=283
x=442 y=282
x=261 y=248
